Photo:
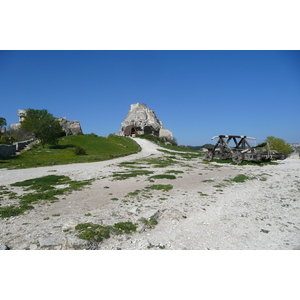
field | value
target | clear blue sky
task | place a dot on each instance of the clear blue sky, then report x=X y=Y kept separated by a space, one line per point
x=196 y=94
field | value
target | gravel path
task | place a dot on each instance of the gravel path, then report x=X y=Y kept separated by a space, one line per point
x=203 y=210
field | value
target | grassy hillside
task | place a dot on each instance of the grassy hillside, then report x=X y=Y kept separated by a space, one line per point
x=97 y=149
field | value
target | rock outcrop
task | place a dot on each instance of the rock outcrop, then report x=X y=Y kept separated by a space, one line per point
x=69 y=127
x=142 y=120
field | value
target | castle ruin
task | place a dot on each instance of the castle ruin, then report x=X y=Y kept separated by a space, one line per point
x=69 y=127
x=142 y=120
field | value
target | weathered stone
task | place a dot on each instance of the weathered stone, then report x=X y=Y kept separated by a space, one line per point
x=10 y=150
x=33 y=247
x=70 y=127
x=21 y=115
x=74 y=242
x=142 y=120
x=15 y=126
x=50 y=241
x=134 y=211
x=4 y=247
x=68 y=226
x=167 y=134
x=150 y=213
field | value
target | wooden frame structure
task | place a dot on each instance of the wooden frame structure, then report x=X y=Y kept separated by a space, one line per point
x=241 y=151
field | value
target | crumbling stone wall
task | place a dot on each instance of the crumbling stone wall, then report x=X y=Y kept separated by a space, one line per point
x=11 y=150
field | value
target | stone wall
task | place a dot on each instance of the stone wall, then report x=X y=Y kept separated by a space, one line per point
x=11 y=150
x=7 y=150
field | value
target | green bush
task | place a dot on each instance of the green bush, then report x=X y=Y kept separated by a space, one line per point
x=79 y=151
x=278 y=145
x=8 y=138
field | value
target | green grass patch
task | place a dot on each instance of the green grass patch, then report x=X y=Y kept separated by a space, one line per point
x=174 y=172
x=202 y=194
x=240 y=178
x=162 y=176
x=160 y=187
x=149 y=223
x=97 y=148
x=125 y=227
x=97 y=233
x=131 y=164
x=220 y=185
x=43 y=183
x=133 y=194
x=130 y=174
x=6 y=193
x=12 y=211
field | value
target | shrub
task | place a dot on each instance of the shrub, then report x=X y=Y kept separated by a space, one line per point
x=279 y=145
x=79 y=151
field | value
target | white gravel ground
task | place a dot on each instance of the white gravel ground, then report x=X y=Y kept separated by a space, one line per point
x=201 y=212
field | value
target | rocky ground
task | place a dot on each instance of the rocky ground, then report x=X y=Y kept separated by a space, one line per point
x=203 y=210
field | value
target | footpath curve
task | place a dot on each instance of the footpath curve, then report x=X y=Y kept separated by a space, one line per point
x=87 y=170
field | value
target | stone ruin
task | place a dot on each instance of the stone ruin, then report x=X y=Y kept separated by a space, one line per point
x=69 y=127
x=142 y=120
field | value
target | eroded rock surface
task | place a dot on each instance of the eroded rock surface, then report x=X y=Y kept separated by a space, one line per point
x=142 y=120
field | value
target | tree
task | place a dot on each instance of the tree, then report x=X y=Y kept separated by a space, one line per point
x=279 y=145
x=8 y=138
x=43 y=125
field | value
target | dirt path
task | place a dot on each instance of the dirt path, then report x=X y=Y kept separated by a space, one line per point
x=75 y=171
x=204 y=209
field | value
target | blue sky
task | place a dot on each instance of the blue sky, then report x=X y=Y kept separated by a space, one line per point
x=196 y=94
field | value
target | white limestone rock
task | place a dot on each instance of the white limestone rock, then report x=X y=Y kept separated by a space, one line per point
x=142 y=120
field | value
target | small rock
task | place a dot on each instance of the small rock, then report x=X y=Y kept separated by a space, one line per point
x=143 y=244
x=151 y=213
x=33 y=247
x=141 y=228
x=50 y=241
x=4 y=247
x=67 y=226
x=134 y=211
x=74 y=242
